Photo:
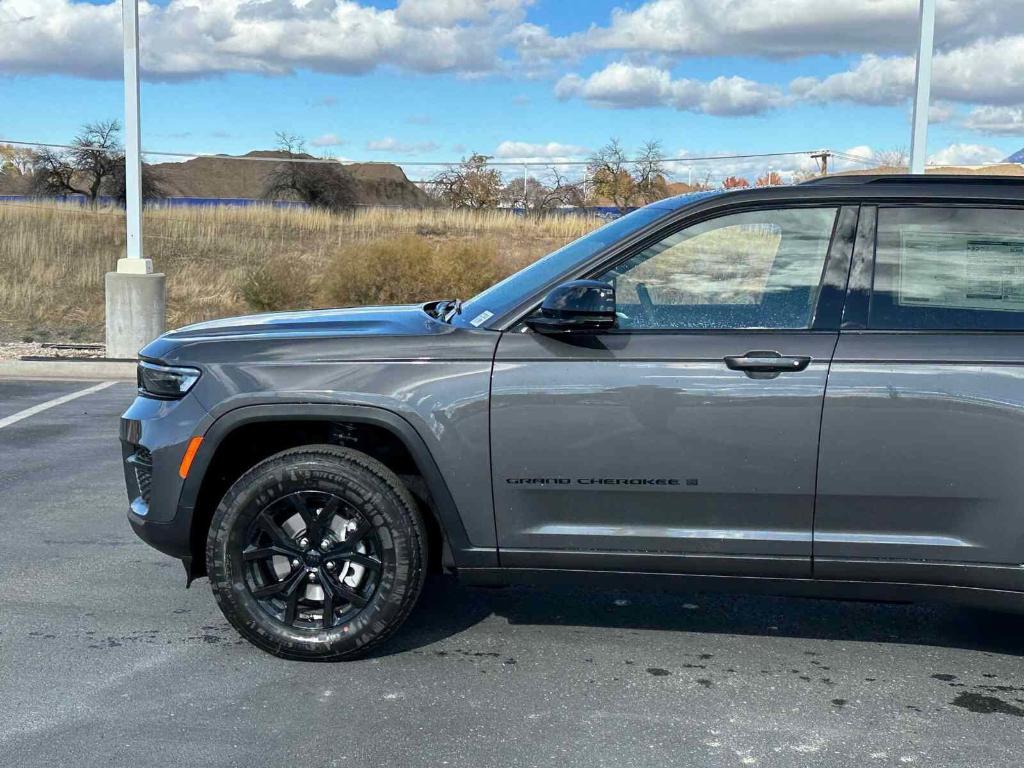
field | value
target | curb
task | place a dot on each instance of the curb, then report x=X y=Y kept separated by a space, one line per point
x=69 y=370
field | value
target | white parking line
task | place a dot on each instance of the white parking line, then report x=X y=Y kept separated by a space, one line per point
x=6 y=422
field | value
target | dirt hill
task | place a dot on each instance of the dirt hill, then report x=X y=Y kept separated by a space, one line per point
x=230 y=176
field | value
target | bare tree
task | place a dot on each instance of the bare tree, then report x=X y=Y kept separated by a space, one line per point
x=628 y=182
x=534 y=198
x=472 y=184
x=610 y=175
x=897 y=157
x=561 y=192
x=85 y=168
x=704 y=184
x=116 y=184
x=16 y=160
x=649 y=173
x=799 y=177
x=548 y=193
x=320 y=185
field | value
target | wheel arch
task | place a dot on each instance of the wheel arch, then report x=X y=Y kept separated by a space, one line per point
x=242 y=437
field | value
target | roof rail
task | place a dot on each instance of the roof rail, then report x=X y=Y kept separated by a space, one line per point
x=905 y=178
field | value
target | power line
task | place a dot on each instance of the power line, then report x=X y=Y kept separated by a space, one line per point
x=517 y=162
x=852 y=157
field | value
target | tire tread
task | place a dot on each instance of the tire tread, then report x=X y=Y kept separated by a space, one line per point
x=388 y=484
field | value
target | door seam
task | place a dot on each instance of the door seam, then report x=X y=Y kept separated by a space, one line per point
x=490 y=448
x=817 y=455
x=828 y=377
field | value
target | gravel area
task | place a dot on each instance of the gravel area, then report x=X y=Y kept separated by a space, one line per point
x=16 y=350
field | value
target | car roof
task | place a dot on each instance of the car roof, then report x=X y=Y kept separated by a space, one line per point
x=869 y=187
x=929 y=180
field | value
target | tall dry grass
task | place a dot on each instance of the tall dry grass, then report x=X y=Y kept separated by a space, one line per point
x=223 y=261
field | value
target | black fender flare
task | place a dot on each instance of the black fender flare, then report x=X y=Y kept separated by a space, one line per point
x=464 y=553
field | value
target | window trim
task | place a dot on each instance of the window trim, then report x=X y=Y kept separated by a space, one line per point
x=863 y=303
x=837 y=260
x=860 y=284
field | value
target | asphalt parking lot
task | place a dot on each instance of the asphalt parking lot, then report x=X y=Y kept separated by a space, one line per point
x=106 y=660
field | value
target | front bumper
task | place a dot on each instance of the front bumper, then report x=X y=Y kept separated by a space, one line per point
x=154 y=436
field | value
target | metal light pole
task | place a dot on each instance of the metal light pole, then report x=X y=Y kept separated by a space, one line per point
x=923 y=88
x=136 y=298
x=132 y=141
x=526 y=193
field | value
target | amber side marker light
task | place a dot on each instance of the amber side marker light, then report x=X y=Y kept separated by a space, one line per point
x=190 y=454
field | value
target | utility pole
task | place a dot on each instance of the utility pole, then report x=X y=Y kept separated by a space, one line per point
x=922 y=87
x=135 y=297
x=822 y=157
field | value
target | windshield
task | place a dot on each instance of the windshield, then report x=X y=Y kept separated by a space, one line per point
x=503 y=296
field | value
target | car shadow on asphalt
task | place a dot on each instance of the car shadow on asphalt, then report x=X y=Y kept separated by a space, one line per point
x=447 y=609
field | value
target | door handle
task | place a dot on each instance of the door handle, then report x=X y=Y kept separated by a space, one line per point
x=759 y=365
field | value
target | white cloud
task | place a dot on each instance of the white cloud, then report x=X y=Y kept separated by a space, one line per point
x=977 y=63
x=939 y=112
x=445 y=13
x=966 y=154
x=522 y=150
x=621 y=85
x=328 y=140
x=390 y=144
x=875 y=80
x=861 y=156
x=776 y=27
x=536 y=44
x=194 y=38
x=1000 y=121
x=980 y=57
x=985 y=72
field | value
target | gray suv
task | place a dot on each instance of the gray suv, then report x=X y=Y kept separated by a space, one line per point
x=813 y=390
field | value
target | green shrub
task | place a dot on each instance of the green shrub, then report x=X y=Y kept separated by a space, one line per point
x=277 y=283
x=409 y=269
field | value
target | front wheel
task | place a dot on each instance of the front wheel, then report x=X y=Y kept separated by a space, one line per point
x=317 y=553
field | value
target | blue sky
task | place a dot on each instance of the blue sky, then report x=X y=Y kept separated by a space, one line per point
x=435 y=79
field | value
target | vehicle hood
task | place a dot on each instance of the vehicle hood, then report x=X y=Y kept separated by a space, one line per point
x=408 y=320
x=306 y=334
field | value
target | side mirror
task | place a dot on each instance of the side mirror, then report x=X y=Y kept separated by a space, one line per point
x=579 y=305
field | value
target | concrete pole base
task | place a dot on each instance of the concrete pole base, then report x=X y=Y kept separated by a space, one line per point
x=136 y=305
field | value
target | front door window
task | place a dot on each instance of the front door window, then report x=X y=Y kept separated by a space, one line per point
x=751 y=270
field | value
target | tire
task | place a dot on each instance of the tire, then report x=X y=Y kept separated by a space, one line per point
x=266 y=568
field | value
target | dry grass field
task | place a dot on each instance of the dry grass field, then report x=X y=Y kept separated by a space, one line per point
x=224 y=261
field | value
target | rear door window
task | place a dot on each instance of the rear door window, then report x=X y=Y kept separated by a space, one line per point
x=952 y=268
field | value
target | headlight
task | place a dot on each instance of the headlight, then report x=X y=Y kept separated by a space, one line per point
x=165 y=382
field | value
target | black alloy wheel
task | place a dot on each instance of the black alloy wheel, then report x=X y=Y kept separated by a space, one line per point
x=312 y=560
x=317 y=553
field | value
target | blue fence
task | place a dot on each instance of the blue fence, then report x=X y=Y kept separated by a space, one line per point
x=164 y=202
x=606 y=212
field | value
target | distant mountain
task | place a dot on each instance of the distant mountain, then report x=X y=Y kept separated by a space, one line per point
x=1016 y=157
